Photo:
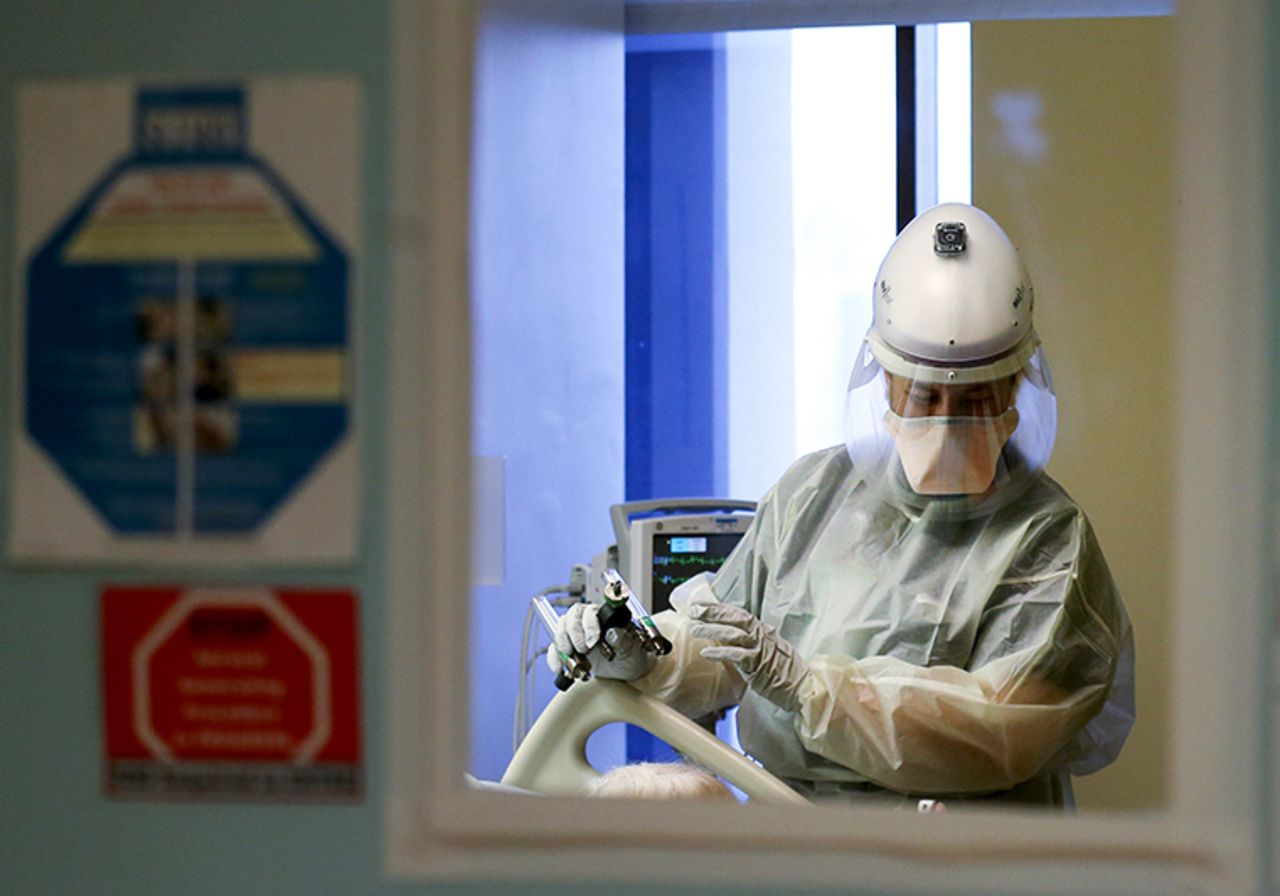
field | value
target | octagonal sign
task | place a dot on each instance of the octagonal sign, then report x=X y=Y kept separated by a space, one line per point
x=216 y=691
x=184 y=330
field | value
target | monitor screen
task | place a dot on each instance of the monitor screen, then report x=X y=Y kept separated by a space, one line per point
x=678 y=557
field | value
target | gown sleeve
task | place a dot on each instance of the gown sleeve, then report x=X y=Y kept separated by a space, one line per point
x=1043 y=666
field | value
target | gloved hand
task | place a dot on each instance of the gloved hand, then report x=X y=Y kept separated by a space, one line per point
x=767 y=661
x=578 y=631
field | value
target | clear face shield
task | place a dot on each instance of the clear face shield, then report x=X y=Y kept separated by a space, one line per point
x=949 y=432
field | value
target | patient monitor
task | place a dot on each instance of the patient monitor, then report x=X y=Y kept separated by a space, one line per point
x=658 y=545
x=664 y=542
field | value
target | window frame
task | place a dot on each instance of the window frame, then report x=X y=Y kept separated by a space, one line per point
x=1215 y=834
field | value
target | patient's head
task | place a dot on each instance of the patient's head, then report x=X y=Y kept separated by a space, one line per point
x=659 y=780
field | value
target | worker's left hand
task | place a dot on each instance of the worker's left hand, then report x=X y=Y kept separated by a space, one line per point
x=768 y=662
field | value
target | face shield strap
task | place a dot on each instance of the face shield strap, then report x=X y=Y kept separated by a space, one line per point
x=865 y=367
x=1037 y=371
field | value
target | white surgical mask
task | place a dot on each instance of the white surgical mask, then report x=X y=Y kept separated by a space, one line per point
x=950 y=455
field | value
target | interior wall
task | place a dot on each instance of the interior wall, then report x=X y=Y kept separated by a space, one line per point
x=548 y=324
x=60 y=833
x=1073 y=139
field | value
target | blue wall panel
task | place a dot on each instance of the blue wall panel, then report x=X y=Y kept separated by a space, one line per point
x=675 y=262
x=675 y=248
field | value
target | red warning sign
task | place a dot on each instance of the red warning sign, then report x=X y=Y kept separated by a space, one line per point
x=230 y=692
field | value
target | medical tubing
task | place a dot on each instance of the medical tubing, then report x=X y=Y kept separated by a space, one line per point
x=518 y=722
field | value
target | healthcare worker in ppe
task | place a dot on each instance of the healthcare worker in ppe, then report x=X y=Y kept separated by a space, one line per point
x=923 y=611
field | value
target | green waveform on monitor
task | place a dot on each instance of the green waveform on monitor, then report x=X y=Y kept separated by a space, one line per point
x=683 y=561
x=671 y=580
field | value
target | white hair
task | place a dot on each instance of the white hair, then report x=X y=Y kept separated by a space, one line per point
x=659 y=780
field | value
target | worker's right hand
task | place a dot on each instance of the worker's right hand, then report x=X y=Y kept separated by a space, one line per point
x=578 y=632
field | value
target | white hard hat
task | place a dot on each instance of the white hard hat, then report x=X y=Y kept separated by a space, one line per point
x=953 y=300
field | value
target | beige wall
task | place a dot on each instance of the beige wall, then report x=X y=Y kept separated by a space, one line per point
x=1073 y=133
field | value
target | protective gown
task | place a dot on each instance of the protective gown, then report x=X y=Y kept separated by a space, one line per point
x=983 y=652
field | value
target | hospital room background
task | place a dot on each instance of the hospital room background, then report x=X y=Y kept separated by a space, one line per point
x=719 y=357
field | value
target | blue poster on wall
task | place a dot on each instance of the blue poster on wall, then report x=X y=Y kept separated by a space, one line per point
x=186 y=364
